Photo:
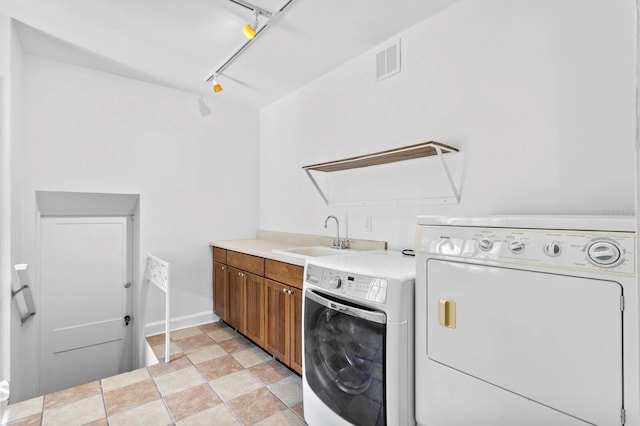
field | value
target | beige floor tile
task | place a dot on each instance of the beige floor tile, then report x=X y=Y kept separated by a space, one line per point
x=233 y=385
x=193 y=343
x=158 y=339
x=206 y=353
x=130 y=396
x=76 y=413
x=255 y=406
x=250 y=357
x=150 y=414
x=236 y=344
x=192 y=401
x=222 y=334
x=34 y=420
x=124 y=379
x=178 y=363
x=101 y=422
x=219 y=415
x=66 y=396
x=23 y=409
x=270 y=372
x=289 y=390
x=207 y=328
x=186 y=332
x=179 y=381
x=286 y=417
x=299 y=409
x=219 y=367
x=158 y=350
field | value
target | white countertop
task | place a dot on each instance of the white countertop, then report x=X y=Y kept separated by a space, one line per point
x=260 y=248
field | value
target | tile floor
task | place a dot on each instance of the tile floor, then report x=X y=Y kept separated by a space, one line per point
x=215 y=377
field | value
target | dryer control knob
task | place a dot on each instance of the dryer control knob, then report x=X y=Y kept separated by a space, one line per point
x=335 y=282
x=485 y=244
x=516 y=246
x=553 y=249
x=603 y=253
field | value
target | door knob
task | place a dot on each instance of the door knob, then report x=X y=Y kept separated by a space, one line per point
x=127 y=319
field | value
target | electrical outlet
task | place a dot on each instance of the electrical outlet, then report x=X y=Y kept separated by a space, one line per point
x=368 y=223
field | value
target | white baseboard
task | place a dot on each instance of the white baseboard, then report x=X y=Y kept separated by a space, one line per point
x=179 y=323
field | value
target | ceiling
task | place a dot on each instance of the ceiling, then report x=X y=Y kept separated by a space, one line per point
x=179 y=44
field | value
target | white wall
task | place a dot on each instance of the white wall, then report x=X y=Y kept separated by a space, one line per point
x=538 y=95
x=5 y=199
x=88 y=131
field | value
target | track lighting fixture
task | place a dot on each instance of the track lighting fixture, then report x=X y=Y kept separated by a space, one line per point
x=217 y=87
x=251 y=32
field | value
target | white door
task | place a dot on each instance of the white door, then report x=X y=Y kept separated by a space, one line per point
x=84 y=297
x=553 y=339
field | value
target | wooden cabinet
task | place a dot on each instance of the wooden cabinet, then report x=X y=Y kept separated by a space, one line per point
x=278 y=316
x=266 y=310
x=295 y=360
x=254 y=308
x=283 y=308
x=220 y=278
x=219 y=289
x=235 y=299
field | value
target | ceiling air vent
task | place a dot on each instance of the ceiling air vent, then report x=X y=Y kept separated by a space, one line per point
x=388 y=61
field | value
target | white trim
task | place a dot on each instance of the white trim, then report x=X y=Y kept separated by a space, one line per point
x=186 y=321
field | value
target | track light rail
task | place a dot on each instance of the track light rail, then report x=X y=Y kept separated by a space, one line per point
x=260 y=31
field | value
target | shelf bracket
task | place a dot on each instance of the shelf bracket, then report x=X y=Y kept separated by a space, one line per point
x=315 y=183
x=454 y=189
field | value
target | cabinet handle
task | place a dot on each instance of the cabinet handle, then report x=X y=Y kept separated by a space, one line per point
x=284 y=290
x=224 y=267
x=289 y=291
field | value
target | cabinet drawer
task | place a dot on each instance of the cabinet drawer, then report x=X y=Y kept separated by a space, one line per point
x=246 y=262
x=219 y=255
x=284 y=272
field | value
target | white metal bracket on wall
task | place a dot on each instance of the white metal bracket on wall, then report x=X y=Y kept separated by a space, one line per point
x=425 y=149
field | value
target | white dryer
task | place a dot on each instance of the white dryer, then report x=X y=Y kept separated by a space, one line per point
x=526 y=321
x=358 y=339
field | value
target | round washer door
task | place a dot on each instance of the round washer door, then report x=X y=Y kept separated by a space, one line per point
x=344 y=357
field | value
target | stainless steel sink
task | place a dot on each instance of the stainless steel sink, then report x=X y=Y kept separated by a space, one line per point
x=306 y=252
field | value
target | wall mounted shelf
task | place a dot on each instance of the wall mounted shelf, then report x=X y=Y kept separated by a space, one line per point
x=410 y=152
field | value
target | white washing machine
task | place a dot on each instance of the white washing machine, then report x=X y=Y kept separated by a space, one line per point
x=358 y=339
x=526 y=321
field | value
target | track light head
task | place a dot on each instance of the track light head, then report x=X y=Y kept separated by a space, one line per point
x=217 y=87
x=250 y=30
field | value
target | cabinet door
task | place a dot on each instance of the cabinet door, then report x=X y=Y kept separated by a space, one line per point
x=277 y=339
x=219 y=289
x=254 y=308
x=235 y=299
x=295 y=326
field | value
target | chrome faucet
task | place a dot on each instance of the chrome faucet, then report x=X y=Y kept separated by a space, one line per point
x=337 y=243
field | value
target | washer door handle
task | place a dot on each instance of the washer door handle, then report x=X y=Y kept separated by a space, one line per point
x=374 y=316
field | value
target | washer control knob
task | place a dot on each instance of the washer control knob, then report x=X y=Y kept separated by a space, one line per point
x=335 y=282
x=485 y=244
x=603 y=253
x=516 y=247
x=553 y=249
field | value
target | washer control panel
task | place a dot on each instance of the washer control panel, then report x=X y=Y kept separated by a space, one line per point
x=349 y=284
x=583 y=250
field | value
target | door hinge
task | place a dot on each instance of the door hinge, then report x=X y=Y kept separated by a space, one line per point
x=622 y=303
x=622 y=416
